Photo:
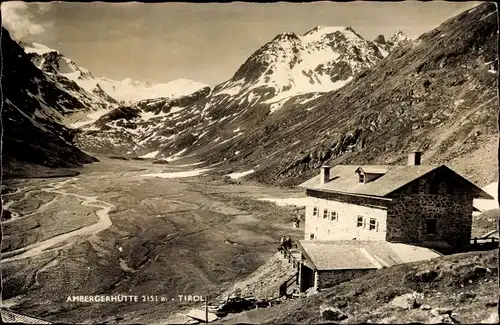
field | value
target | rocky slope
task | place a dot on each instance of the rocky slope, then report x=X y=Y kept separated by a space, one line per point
x=398 y=39
x=34 y=106
x=264 y=282
x=458 y=288
x=437 y=95
x=286 y=72
x=69 y=75
x=321 y=60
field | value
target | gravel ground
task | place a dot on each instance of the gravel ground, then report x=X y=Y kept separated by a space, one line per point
x=168 y=237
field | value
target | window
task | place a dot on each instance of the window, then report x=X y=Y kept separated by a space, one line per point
x=423 y=187
x=333 y=216
x=315 y=211
x=430 y=226
x=361 y=178
x=373 y=224
x=442 y=188
x=311 y=236
x=360 y=221
x=325 y=213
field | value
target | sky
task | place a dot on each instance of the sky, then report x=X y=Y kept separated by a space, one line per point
x=205 y=42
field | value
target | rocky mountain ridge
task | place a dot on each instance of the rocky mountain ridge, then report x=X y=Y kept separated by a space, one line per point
x=437 y=94
x=125 y=92
x=321 y=60
x=35 y=105
x=287 y=71
x=69 y=74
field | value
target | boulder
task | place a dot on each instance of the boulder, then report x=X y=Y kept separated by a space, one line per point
x=426 y=276
x=474 y=274
x=441 y=311
x=442 y=319
x=407 y=301
x=466 y=296
x=331 y=313
x=340 y=304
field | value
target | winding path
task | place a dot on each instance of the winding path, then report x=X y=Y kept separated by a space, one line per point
x=103 y=223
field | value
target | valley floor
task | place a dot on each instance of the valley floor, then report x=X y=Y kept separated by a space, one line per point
x=110 y=230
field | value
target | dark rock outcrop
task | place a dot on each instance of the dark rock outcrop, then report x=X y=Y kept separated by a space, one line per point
x=32 y=110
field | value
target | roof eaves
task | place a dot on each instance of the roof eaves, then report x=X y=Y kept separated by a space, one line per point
x=482 y=193
x=348 y=268
x=429 y=171
x=308 y=258
x=350 y=193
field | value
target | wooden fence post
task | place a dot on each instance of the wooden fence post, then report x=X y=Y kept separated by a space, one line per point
x=498 y=165
x=206 y=309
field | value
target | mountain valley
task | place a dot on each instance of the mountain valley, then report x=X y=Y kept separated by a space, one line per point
x=127 y=187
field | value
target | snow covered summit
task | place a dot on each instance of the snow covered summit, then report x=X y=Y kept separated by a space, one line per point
x=126 y=91
x=321 y=60
x=130 y=91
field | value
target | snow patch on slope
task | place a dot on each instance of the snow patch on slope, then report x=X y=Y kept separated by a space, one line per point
x=190 y=173
x=89 y=118
x=295 y=201
x=150 y=155
x=176 y=156
x=241 y=174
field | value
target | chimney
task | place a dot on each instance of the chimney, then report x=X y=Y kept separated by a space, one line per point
x=414 y=158
x=325 y=174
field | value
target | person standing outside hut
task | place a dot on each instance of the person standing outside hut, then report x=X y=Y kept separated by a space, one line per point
x=282 y=243
x=288 y=242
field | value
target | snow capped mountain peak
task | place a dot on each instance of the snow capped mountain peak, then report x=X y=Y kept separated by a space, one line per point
x=319 y=33
x=287 y=36
x=67 y=72
x=399 y=37
x=326 y=29
x=128 y=81
x=395 y=40
x=36 y=48
x=131 y=91
x=53 y=61
x=183 y=84
x=126 y=90
x=323 y=30
x=323 y=59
